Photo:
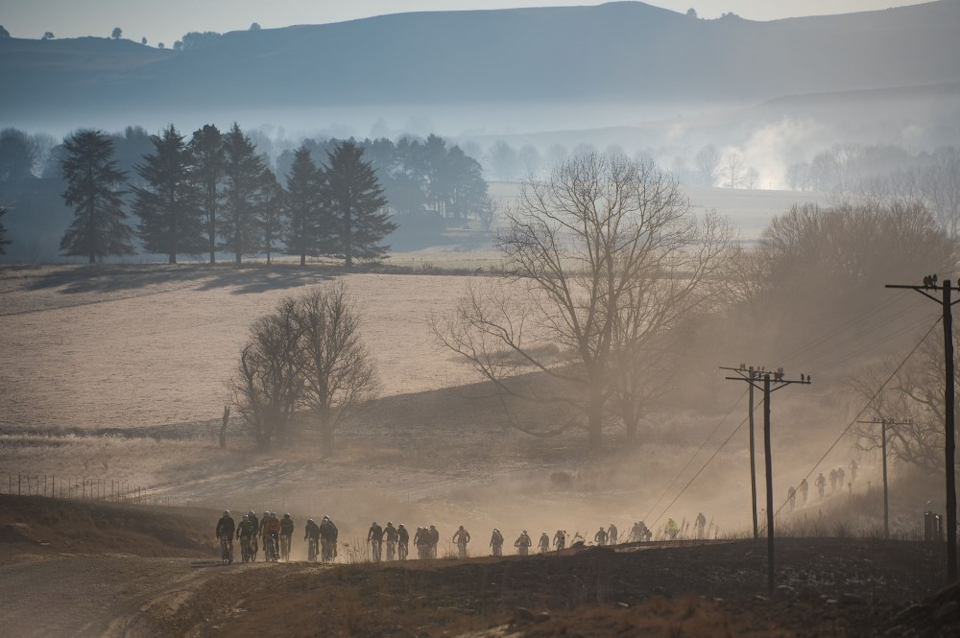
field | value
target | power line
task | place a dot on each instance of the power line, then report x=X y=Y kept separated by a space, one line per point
x=866 y=406
x=700 y=449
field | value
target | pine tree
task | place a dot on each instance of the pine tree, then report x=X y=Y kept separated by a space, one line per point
x=171 y=221
x=304 y=231
x=241 y=196
x=3 y=232
x=271 y=211
x=94 y=187
x=209 y=159
x=356 y=202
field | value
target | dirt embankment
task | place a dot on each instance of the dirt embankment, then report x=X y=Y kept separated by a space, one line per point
x=44 y=526
x=835 y=587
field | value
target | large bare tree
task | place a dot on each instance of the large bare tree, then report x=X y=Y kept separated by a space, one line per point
x=595 y=261
x=338 y=373
x=268 y=384
x=307 y=355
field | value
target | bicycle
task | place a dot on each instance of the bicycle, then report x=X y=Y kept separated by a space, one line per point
x=270 y=552
x=376 y=547
x=285 y=547
x=248 y=552
x=312 y=550
x=402 y=551
x=226 y=549
x=328 y=550
x=391 y=549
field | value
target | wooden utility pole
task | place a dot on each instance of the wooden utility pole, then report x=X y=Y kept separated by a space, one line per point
x=748 y=372
x=772 y=381
x=884 y=424
x=949 y=409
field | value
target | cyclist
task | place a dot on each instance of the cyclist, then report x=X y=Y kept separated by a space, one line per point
x=403 y=542
x=256 y=530
x=286 y=535
x=544 y=544
x=804 y=488
x=560 y=540
x=271 y=535
x=792 y=497
x=434 y=534
x=496 y=542
x=601 y=537
x=375 y=537
x=246 y=532
x=311 y=533
x=701 y=524
x=225 y=529
x=461 y=537
x=523 y=544
x=328 y=539
x=391 y=534
x=612 y=533
x=422 y=542
x=821 y=484
x=853 y=470
x=671 y=529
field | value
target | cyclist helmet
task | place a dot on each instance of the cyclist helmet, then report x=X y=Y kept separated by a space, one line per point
x=389 y=523
x=251 y=513
x=226 y=512
x=309 y=520
x=524 y=531
x=266 y=513
x=286 y=515
x=374 y=524
x=246 y=517
x=326 y=518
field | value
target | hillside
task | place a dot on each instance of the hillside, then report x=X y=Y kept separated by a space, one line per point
x=625 y=51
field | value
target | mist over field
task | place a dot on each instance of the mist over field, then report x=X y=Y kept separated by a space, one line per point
x=607 y=285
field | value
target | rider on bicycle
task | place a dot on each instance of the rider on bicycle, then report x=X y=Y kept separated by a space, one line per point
x=286 y=535
x=560 y=539
x=391 y=534
x=246 y=532
x=256 y=529
x=311 y=533
x=271 y=534
x=403 y=542
x=523 y=543
x=328 y=539
x=225 y=529
x=461 y=537
x=375 y=536
x=496 y=542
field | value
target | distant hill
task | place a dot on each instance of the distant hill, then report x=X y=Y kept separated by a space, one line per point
x=624 y=51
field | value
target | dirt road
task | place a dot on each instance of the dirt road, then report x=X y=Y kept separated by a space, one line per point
x=73 y=596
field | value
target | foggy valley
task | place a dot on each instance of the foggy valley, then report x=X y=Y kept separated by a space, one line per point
x=521 y=285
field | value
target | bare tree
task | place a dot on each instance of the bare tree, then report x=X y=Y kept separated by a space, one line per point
x=268 y=384
x=914 y=396
x=733 y=169
x=338 y=373
x=707 y=162
x=583 y=254
x=751 y=178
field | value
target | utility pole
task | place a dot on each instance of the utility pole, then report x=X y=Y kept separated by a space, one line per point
x=747 y=373
x=772 y=381
x=949 y=408
x=884 y=424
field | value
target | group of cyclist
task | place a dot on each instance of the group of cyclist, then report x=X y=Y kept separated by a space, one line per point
x=276 y=535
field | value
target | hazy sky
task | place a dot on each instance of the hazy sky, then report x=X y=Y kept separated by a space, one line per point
x=167 y=20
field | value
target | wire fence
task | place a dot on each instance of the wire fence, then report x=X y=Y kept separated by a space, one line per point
x=82 y=488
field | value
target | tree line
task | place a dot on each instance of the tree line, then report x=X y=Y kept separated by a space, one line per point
x=426 y=184
x=214 y=192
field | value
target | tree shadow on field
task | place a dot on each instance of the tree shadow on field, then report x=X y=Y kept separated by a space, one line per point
x=108 y=279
